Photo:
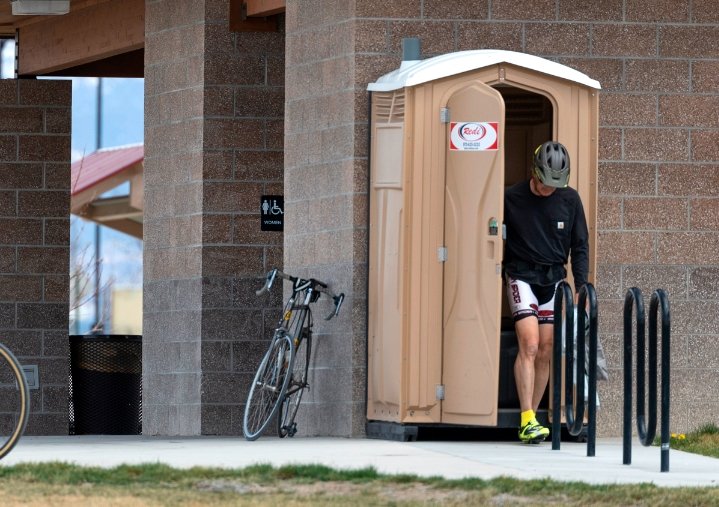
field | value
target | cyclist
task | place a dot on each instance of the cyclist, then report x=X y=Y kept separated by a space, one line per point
x=545 y=224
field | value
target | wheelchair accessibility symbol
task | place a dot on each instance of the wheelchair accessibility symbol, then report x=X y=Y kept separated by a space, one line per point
x=272 y=212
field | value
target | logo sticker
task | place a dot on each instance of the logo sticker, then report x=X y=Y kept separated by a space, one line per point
x=560 y=225
x=473 y=136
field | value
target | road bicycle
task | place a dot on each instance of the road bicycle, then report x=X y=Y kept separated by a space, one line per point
x=281 y=377
x=14 y=401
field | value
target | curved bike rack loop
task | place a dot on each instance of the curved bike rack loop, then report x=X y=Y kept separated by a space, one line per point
x=646 y=417
x=574 y=409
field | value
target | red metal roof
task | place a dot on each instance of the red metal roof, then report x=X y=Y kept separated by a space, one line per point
x=102 y=164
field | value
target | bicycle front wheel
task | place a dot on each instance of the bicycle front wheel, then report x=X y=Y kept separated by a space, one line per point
x=14 y=401
x=286 y=426
x=269 y=386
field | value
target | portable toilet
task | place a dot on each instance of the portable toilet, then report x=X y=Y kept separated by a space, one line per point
x=448 y=134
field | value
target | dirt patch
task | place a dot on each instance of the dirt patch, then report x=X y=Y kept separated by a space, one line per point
x=394 y=492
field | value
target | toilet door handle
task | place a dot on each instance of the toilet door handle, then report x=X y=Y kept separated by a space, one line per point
x=493 y=227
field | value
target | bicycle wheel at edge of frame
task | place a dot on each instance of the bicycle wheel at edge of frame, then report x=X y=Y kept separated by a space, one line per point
x=293 y=396
x=14 y=379
x=267 y=406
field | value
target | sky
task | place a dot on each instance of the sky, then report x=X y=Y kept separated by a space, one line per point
x=122 y=113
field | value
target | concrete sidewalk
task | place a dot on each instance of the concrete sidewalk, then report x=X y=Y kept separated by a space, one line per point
x=452 y=460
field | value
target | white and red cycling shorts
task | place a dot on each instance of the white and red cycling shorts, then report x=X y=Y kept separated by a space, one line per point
x=529 y=300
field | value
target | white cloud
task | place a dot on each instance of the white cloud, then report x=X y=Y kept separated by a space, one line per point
x=76 y=154
x=89 y=83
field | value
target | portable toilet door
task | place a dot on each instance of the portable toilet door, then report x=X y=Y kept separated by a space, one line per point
x=435 y=254
x=472 y=252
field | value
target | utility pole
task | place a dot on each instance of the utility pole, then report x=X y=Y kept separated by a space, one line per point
x=99 y=325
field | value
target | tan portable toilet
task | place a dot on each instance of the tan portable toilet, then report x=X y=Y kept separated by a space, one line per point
x=448 y=134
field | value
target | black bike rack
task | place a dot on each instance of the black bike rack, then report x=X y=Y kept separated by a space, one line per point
x=646 y=420
x=574 y=409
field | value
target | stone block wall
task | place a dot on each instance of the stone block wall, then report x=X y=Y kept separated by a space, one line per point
x=214 y=103
x=172 y=262
x=243 y=160
x=325 y=199
x=658 y=63
x=35 y=240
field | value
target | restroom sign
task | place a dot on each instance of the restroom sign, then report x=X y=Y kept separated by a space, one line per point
x=473 y=135
x=272 y=213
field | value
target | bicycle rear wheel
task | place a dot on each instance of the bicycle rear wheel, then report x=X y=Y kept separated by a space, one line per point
x=269 y=386
x=286 y=426
x=14 y=401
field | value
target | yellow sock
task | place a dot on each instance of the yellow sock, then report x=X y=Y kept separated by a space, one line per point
x=527 y=416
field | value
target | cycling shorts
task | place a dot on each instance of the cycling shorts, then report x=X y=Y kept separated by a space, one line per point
x=527 y=300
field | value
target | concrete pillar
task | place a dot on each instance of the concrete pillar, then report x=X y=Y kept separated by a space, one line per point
x=325 y=200
x=213 y=146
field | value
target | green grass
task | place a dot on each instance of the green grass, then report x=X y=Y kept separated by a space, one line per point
x=62 y=484
x=156 y=484
x=704 y=441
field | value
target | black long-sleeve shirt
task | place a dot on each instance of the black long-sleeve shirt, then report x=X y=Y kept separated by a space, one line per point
x=541 y=234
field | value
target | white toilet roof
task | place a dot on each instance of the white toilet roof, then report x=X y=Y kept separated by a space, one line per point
x=412 y=73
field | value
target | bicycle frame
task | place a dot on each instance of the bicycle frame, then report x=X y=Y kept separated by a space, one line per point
x=292 y=362
x=296 y=318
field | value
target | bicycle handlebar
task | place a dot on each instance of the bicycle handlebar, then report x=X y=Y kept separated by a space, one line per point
x=299 y=284
x=269 y=280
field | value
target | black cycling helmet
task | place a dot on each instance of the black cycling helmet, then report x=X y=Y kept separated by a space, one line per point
x=551 y=164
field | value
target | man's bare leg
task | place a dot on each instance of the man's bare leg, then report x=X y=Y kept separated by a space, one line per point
x=541 y=363
x=528 y=337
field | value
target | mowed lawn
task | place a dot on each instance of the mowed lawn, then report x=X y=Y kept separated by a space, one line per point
x=61 y=484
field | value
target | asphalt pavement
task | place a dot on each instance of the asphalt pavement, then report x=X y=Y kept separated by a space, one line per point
x=449 y=459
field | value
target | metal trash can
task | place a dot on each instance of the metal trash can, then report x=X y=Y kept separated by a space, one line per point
x=105 y=385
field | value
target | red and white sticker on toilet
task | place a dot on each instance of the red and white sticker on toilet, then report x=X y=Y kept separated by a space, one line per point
x=473 y=136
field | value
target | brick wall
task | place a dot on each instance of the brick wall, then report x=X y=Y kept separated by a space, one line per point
x=174 y=48
x=658 y=63
x=35 y=239
x=243 y=150
x=325 y=199
x=213 y=146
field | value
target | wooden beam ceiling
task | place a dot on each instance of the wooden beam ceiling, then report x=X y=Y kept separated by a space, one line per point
x=255 y=15
x=265 y=7
x=99 y=30
x=106 y=38
x=130 y=64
